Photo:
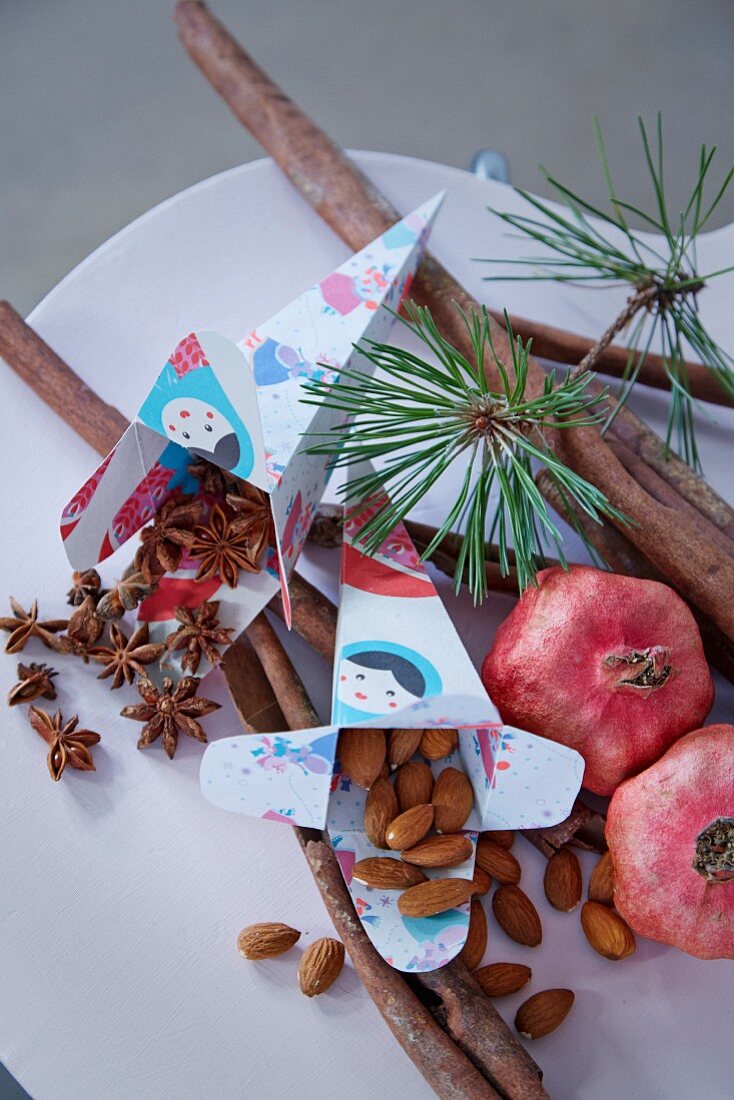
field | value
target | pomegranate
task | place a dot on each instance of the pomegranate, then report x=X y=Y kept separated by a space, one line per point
x=670 y=832
x=611 y=666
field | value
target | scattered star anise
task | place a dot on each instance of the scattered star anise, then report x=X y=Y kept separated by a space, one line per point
x=34 y=682
x=212 y=479
x=222 y=550
x=253 y=517
x=199 y=633
x=25 y=625
x=128 y=593
x=167 y=712
x=163 y=541
x=86 y=583
x=83 y=631
x=68 y=745
x=123 y=658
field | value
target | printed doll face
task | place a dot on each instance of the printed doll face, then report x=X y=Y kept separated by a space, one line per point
x=203 y=430
x=375 y=691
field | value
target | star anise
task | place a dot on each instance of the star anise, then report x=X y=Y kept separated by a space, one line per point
x=198 y=633
x=129 y=591
x=86 y=583
x=34 y=682
x=68 y=745
x=83 y=631
x=212 y=479
x=222 y=550
x=253 y=517
x=25 y=625
x=123 y=658
x=167 y=712
x=163 y=541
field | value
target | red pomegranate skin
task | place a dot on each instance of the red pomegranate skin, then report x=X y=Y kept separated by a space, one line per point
x=562 y=664
x=653 y=825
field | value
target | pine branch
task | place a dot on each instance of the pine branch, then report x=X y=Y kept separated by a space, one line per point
x=419 y=417
x=665 y=281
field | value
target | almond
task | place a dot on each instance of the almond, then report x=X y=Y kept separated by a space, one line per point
x=387 y=873
x=435 y=896
x=447 y=850
x=497 y=862
x=502 y=979
x=401 y=744
x=517 y=916
x=543 y=1012
x=453 y=799
x=606 y=931
x=504 y=837
x=320 y=966
x=562 y=880
x=380 y=808
x=601 y=883
x=437 y=744
x=265 y=941
x=413 y=785
x=482 y=881
x=409 y=827
x=473 y=950
x=361 y=755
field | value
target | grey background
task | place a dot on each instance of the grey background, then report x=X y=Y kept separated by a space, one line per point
x=102 y=115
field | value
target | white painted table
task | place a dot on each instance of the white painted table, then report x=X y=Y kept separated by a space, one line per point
x=123 y=892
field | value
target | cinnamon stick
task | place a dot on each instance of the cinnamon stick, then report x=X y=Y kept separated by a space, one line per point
x=47 y=374
x=583 y=828
x=446 y=1068
x=287 y=685
x=250 y=690
x=561 y=346
x=355 y=209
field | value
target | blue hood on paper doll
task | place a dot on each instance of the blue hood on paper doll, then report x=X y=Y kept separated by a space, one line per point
x=192 y=409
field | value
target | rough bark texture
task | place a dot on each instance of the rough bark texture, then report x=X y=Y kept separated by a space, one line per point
x=474 y=1024
x=583 y=828
x=448 y=1071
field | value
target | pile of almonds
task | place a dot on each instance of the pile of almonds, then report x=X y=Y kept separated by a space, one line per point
x=411 y=814
x=417 y=818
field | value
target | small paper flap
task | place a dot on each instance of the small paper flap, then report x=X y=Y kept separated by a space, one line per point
x=281 y=777
x=528 y=782
x=122 y=495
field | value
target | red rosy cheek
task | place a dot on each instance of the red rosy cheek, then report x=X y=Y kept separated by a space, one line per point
x=342 y=678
